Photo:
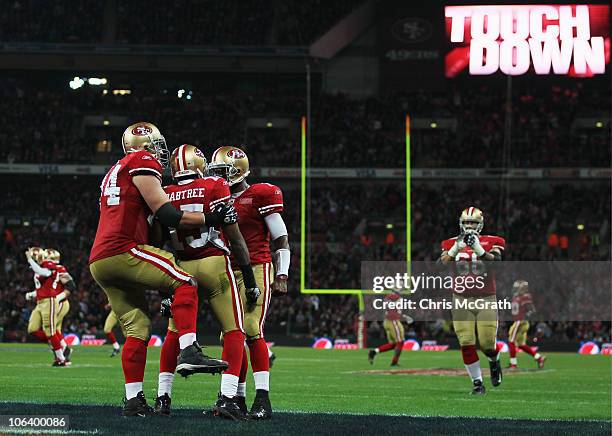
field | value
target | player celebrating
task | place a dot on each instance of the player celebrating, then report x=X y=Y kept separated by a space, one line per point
x=395 y=332
x=471 y=248
x=124 y=265
x=522 y=309
x=50 y=279
x=204 y=255
x=109 y=324
x=259 y=207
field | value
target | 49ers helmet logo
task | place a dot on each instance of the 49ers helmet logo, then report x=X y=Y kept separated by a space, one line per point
x=234 y=153
x=141 y=130
x=198 y=153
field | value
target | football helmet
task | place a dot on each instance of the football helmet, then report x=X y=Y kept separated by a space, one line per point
x=146 y=136
x=52 y=254
x=187 y=161
x=520 y=287
x=471 y=220
x=38 y=254
x=231 y=163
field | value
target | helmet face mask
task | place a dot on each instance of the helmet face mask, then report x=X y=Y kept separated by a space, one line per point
x=471 y=221
x=230 y=163
x=146 y=136
x=52 y=255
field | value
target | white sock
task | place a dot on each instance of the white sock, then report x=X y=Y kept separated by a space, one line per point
x=270 y=353
x=116 y=345
x=229 y=385
x=63 y=344
x=513 y=361
x=262 y=380
x=241 y=392
x=132 y=389
x=164 y=385
x=186 y=340
x=473 y=370
x=376 y=350
x=536 y=356
x=59 y=354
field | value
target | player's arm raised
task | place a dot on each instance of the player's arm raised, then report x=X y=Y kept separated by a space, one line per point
x=280 y=251
x=151 y=190
x=448 y=255
x=44 y=272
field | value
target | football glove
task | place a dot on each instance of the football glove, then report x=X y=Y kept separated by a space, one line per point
x=165 y=308
x=472 y=241
x=222 y=215
x=30 y=295
x=252 y=294
x=457 y=246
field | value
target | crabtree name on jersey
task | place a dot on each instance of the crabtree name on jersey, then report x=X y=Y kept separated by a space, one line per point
x=511 y=39
x=187 y=193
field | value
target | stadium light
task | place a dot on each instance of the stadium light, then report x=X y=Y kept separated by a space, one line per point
x=580 y=227
x=389 y=226
x=180 y=93
x=76 y=83
x=269 y=124
x=433 y=125
x=106 y=122
x=121 y=91
x=97 y=81
x=599 y=124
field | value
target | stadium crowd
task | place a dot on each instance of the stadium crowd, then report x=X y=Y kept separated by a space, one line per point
x=181 y=22
x=345 y=132
x=339 y=239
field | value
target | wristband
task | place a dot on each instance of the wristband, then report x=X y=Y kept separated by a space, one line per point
x=248 y=277
x=477 y=248
x=454 y=250
x=169 y=215
x=282 y=259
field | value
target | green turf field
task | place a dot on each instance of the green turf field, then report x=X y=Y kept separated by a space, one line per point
x=311 y=386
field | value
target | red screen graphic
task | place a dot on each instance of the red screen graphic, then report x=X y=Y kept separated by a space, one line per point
x=571 y=40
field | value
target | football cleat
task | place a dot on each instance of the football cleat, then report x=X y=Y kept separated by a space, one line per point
x=394 y=364
x=478 y=388
x=541 y=361
x=60 y=363
x=137 y=406
x=162 y=405
x=228 y=408
x=115 y=352
x=496 y=372
x=241 y=401
x=192 y=360
x=371 y=356
x=511 y=366
x=67 y=353
x=261 y=408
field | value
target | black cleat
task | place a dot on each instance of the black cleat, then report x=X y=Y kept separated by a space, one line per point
x=479 y=388
x=67 y=353
x=272 y=358
x=241 y=401
x=192 y=361
x=261 y=408
x=137 y=406
x=115 y=352
x=496 y=372
x=61 y=363
x=228 y=408
x=395 y=364
x=162 y=405
x=371 y=356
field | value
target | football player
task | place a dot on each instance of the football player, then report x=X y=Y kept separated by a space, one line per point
x=124 y=265
x=259 y=208
x=109 y=324
x=50 y=279
x=471 y=249
x=203 y=254
x=394 y=330
x=522 y=309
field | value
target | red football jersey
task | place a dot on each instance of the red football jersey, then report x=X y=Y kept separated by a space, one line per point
x=520 y=303
x=123 y=212
x=48 y=287
x=393 y=314
x=488 y=242
x=198 y=195
x=253 y=205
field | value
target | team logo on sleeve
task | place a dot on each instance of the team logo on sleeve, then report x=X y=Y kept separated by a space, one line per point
x=142 y=130
x=234 y=153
